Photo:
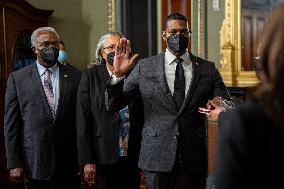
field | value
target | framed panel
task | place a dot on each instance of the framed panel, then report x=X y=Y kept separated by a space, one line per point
x=230 y=48
x=239 y=37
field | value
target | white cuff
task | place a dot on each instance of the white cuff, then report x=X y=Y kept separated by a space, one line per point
x=115 y=79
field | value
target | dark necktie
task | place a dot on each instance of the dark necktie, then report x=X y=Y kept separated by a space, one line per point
x=48 y=89
x=179 y=84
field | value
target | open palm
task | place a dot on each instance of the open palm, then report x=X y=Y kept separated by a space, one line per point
x=122 y=62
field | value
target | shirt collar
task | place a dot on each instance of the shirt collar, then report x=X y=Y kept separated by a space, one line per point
x=169 y=57
x=41 y=68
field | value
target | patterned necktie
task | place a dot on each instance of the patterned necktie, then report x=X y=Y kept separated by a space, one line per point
x=48 y=89
x=179 y=84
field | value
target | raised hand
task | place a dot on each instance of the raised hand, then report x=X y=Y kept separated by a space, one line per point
x=122 y=62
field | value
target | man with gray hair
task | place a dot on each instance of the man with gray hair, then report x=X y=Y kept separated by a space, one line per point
x=39 y=121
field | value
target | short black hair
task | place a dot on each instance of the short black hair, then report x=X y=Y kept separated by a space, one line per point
x=174 y=16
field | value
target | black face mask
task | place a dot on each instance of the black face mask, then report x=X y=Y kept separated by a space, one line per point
x=110 y=58
x=49 y=55
x=178 y=44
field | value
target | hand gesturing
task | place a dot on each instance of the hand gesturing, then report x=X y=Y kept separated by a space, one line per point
x=122 y=62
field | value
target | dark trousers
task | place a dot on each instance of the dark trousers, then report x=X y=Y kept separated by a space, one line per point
x=177 y=178
x=55 y=182
x=124 y=174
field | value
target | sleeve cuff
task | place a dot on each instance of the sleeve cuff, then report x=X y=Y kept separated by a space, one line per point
x=115 y=80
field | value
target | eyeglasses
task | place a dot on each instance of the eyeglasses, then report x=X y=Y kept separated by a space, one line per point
x=110 y=47
x=48 y=43
x=257 y=63
x=182 y=32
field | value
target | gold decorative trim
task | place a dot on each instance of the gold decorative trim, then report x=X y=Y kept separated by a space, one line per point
x=230 y=48
x=111 y=15
x=200 y=26
x=199 y=36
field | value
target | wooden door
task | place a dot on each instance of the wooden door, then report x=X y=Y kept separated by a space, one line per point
x=253 y=22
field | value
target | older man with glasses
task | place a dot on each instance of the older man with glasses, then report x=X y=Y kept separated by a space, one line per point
x=40 y=118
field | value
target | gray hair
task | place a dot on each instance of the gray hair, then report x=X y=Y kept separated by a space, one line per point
x=101 y=43
x=41 y=30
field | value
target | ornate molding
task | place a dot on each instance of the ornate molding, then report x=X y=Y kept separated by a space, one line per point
x=230 y=48
x=111 y=15
x=198 y=26
x=201 y=29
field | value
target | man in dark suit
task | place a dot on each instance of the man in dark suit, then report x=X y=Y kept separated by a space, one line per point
x=108 y=142
x=40 y=111
x=173 y=85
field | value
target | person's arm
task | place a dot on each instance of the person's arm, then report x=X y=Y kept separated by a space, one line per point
x=219 y=87
x=85 y=143
x=84 y=124
x=12 y=132
x=120 y=94
x=120 y=91
x=222 y=101
x=230 y=152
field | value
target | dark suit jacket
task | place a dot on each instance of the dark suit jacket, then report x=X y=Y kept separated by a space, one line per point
x=33 y=140
x=162 y=120
x=250 y=149
x=97 y=128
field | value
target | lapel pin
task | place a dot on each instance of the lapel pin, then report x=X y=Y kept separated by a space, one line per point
x=196 y=63
x=65 y=76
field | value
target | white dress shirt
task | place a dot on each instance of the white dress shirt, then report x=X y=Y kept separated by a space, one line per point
x=170 y=68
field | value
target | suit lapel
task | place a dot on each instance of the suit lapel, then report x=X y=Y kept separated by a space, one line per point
x=193 y=83
x=38 y=87
x=162 y=80
x=104 y=75
x=63 y=84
